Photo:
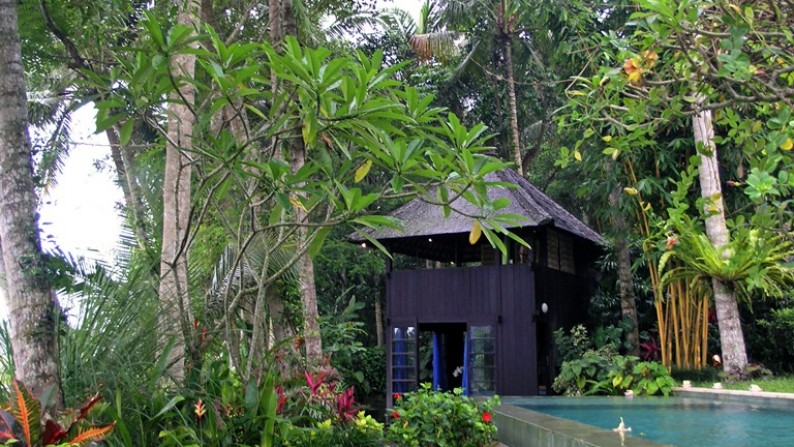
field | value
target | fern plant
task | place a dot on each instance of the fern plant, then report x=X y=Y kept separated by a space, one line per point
x=22 y=423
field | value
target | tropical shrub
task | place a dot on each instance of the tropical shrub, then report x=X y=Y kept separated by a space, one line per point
x=23 y=425
x=572 y=346
x=605 y=340
x=769 y=336
x=318 y=400
x=359 y=366
x=322 y=413
x=428 y=417
x=595 y=373
x=361 y=431
x=224 y=412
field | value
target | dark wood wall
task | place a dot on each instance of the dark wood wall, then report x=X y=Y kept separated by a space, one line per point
x=502 y=296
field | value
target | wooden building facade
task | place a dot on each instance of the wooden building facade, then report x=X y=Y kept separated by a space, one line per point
x=473 y=317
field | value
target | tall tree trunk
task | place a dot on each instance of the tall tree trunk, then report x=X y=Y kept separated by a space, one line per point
x=173 y=292
x=511 y=99
x=124 y=161
x=31 y=303
x=734 y=354
x=282 y=24
x=628 y=306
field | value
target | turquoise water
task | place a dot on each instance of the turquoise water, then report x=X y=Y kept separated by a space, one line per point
x=678 y=421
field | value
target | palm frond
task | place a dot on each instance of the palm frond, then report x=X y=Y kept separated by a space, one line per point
x=399 y=21
x=53 y=117
x=439 y=45
x=351 y=23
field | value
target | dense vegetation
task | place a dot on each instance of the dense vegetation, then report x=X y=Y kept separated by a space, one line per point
x=249 y=139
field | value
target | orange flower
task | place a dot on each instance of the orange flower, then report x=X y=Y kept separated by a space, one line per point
x=650 y=58
x=199 y=409
x=633 y=70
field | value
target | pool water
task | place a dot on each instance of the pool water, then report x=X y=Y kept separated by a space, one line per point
x=679 y=421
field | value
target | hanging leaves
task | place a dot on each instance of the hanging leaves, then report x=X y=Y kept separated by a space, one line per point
x=476 y=232
x=296 y=203
x=362 y=171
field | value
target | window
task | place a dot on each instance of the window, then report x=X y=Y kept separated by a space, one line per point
x=482 y=360
x=559 y=252
x=403 y=359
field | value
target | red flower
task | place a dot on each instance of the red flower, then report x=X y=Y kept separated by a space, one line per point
x=395 y=414
x=282 y=399
x=486 y=417
x=397 y=396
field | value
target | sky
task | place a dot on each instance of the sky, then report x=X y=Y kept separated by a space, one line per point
x=80 y=214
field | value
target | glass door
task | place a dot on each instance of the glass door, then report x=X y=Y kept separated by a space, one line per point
x=402 y=377
x=480 y=374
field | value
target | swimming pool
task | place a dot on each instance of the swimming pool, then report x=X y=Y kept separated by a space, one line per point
x=677 y=421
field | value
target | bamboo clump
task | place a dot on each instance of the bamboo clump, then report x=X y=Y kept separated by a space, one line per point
x=682 y=309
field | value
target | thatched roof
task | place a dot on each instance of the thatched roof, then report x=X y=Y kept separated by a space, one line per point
x=423 y=219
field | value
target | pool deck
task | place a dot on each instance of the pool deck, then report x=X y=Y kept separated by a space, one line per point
x=765 y=399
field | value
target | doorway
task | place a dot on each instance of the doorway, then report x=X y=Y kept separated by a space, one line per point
x=443 y=347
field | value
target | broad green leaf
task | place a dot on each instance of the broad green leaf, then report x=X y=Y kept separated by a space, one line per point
x=317 y=243
x=125 y=132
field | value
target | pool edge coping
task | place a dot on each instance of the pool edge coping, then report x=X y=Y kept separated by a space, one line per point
x=723 y=392
x=574 y=430
x=765 y=399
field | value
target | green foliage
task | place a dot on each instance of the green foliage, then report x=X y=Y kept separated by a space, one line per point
x=341 y=333
x=363 y=431
x=596 y=373
x=445 y=419
x=771 y=339
x=754 y=262
x=606 y=340
x=573 y=346
x=223 y=412
x=320 y=413
x=593 y=366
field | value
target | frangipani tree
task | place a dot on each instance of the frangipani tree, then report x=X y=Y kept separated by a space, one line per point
x=725 y=71
x=351 y=115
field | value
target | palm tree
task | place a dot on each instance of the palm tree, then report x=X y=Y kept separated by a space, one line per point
x=490 y=29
